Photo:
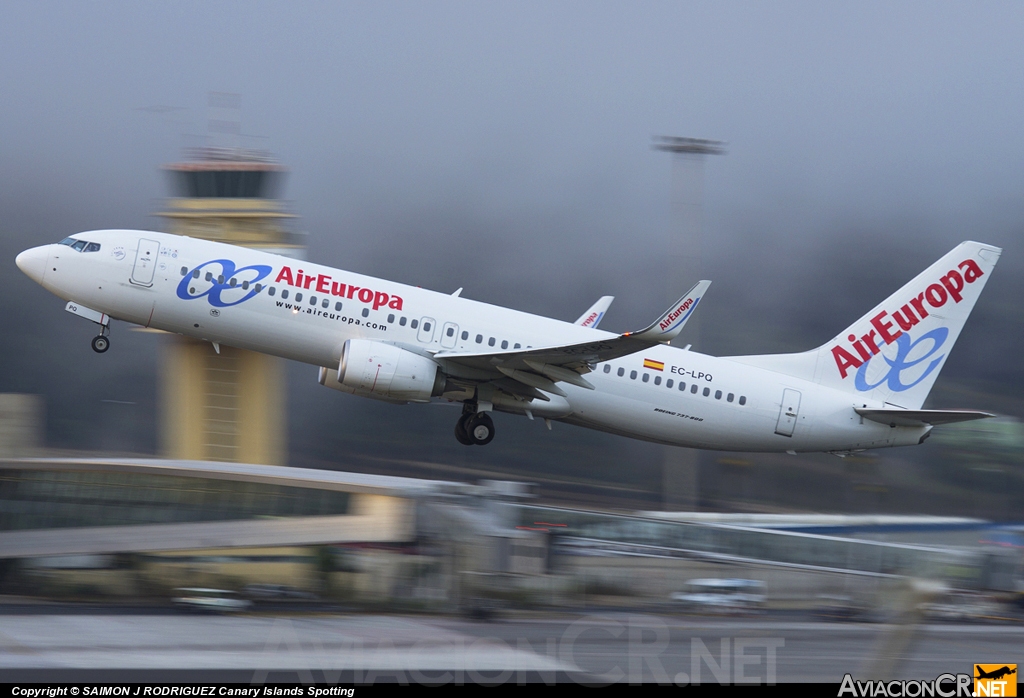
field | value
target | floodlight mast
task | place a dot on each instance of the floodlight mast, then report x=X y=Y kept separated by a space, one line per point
x=681 y=467
x=694 y=146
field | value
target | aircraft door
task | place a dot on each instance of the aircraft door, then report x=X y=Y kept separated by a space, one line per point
x=788 y=412
x=426 y=331
x=449 y=335
x=145 y=263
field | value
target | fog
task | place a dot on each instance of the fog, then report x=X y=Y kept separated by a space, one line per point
x=505 y=148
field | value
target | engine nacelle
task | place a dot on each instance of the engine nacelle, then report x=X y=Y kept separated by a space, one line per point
x=386 y=372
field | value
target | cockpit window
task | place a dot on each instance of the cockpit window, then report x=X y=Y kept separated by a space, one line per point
x=80 y=245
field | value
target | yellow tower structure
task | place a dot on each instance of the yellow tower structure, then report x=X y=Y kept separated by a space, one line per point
x=227 y=405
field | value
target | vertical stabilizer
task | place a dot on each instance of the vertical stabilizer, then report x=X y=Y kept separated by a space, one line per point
x=894 y=353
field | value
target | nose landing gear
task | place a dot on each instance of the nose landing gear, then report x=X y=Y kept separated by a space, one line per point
x=100 y=344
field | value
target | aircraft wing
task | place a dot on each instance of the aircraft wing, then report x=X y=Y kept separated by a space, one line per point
x=542 y=367
x=919 y=418
x=594 y=313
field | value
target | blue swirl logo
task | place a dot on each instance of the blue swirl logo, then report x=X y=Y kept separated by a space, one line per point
x=899 y=363
x=235 y=284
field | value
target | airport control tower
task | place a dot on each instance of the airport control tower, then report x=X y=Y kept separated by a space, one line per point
x=226 y=406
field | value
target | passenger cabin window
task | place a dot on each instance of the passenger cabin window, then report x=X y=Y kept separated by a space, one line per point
x=729 y=397
x=517 y=346
x=298 y=297
x=284 y=293
x=245 y=285
x=209 y=276
x=184 y=270
x=465 y=335
x=743 y=399
x=657 y=380
x=337 y=307
x=450 y=332
x=426 y=325
x=414 y=324
x=195 y=274
x=607 y=368
x=366 y=313
x=402 y=322
x=694 y=388
x=718 y=394
x=621 y=372
x=272 y=291
x=391 y=317
x=682 y=386
x=632 y=375
x=647 y=377
x=504 y=344
x=479 y=338
x=490 y=342
x=707 y=391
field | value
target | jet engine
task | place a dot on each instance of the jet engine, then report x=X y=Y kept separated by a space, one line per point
x=385 y=372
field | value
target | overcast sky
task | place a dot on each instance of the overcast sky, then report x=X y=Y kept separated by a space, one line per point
x=505 y=147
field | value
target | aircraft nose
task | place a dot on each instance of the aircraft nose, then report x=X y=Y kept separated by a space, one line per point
x=33 y=262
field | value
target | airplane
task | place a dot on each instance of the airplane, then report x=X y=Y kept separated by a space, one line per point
x=863 y=389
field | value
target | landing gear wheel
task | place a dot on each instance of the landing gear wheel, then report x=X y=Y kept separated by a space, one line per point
x=100 y=344
x=460 y=431
x=480 y=428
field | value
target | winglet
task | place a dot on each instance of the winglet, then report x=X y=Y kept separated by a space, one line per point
x=593 y=316
x=669 y=325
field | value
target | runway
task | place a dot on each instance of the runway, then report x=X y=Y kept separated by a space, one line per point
x=593 y=648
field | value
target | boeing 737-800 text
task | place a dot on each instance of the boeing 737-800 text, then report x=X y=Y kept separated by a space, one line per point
x=387 y=341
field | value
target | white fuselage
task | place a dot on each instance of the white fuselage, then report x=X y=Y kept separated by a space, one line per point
x=735 y=406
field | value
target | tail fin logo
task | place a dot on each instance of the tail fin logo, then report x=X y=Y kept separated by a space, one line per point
x=900 y=363
x=884 y=331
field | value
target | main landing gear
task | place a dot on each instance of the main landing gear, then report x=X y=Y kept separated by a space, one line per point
x=474 y=428
x=100 y=343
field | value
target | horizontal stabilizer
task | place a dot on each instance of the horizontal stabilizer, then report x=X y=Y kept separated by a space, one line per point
x=920 y=418
x=592 y=318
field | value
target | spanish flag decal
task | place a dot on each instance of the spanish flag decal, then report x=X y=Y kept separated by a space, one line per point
x=656 y=365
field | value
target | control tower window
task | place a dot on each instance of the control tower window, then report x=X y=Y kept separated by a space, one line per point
x=227 y=182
